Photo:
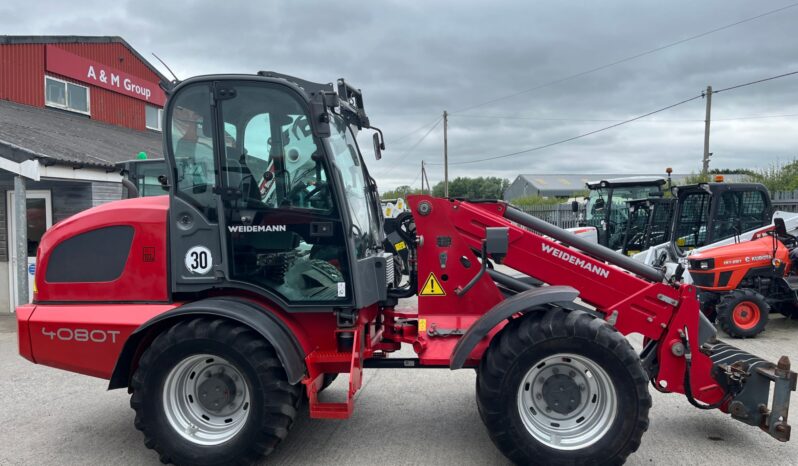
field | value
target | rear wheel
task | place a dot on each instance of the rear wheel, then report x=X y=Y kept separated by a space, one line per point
x=558 y=387
x=742 y=313
x=208 y=392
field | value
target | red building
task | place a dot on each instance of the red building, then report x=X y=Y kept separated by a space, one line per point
x=71 y=109
x=101 y=77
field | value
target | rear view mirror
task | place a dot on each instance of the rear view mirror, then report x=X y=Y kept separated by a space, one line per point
x=378 y=146
x=599 y=204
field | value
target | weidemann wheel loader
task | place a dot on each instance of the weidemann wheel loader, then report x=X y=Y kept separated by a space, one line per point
x=265 y=272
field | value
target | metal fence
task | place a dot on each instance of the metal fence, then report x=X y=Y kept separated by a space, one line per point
x=560 y=215
x=785 y=200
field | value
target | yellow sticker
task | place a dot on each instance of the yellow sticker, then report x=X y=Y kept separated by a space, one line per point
x=432 y=287
x=400 y=245
x=422 y=325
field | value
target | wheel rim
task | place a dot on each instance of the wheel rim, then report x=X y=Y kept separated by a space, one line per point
x=206 y=399
x=567 y=402
x=746 y=315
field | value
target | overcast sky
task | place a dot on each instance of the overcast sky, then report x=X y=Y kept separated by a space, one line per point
x=414 y=59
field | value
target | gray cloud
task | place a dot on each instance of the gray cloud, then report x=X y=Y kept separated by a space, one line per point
x=415 y=59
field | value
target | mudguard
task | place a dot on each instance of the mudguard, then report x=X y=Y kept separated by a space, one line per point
x=522 y=302
x=288 y=349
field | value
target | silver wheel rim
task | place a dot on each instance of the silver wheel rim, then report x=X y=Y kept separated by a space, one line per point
x=575 y=422
x=206 y=399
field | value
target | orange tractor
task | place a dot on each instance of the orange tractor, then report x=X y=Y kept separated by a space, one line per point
x=741 y=283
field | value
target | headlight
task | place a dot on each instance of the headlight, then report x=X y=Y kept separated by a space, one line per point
x=702 y=264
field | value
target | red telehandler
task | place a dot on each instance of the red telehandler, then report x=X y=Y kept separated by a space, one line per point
x=265 y=272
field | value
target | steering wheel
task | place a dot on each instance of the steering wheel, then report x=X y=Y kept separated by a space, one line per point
x=319 y=187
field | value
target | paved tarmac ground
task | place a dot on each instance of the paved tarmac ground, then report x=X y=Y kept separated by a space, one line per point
x=402 y=417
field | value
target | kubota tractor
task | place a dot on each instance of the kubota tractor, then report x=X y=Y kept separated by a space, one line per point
x=265 y=272
x=741 y=283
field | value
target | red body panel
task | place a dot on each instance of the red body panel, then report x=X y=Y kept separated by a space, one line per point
x=141 y=280
x=739 y=259
x=85 y=338
x=23 y=333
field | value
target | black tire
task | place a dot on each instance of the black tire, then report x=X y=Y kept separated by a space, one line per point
x=742 y=313
x=522 y=346
x=273 y=400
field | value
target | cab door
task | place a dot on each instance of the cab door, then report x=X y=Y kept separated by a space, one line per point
x=281 y=225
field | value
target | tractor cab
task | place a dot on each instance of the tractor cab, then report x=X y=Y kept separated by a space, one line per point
x=649 y=223
x=143 y=177
x=706 y=213
x=269 y=193
x=607 y=210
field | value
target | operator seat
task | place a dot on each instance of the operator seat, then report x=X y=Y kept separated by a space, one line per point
x=239 y=176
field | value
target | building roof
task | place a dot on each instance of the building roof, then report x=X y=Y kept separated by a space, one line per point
x=71 y=139
x=80 y=40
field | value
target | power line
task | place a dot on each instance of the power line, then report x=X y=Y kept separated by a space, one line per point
x=626 y=59
x=403 y=158
x=573 y=138
x=396 y=141
x=756 y=82
x=562 y=141
x=594 y=120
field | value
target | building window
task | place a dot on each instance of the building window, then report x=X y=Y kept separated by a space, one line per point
x=154 y=116
x=66 y=95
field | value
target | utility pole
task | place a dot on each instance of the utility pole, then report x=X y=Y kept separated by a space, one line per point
x=705 y=167
x=425 y=180
x=445 y=154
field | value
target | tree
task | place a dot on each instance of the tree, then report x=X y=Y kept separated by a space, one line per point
x=778 y=177
x=490 y=187
x=400 y=191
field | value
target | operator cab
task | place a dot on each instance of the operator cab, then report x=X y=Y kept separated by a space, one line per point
x=607 y=209
x=649 y=223
x=710 y=212
x=270 y=194
x=146 y=177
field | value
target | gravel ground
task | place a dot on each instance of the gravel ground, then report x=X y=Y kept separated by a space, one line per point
x=401 y=417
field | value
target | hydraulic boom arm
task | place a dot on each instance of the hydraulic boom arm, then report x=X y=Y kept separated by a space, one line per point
x=682 y=354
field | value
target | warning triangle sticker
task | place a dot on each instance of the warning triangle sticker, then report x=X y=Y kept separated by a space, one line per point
x=432 y=287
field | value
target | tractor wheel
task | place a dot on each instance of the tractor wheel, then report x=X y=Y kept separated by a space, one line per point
x=742 y=313
x=208 y=392
x=559 y=387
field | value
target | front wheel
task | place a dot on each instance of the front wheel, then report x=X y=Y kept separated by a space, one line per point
x=211 y=392
x=742 y=313
x=558 y=387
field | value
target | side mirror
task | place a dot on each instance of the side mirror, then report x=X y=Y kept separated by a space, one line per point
x=164 y=181
x=574 y=206
x=379 y=142
x=378 y=146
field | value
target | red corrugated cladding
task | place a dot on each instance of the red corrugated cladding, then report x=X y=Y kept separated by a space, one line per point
x=22 y=69
x=21 y=73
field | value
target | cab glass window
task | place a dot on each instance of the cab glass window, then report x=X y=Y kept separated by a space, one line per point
x=191 y=135
x=285 y=233
x=691 y=231
x=349 y=166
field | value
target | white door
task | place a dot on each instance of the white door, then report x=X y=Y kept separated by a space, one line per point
x=40 y=218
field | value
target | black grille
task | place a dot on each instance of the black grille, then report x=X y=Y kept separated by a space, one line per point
x=705 y=280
